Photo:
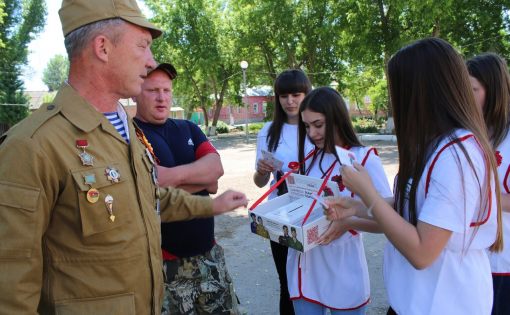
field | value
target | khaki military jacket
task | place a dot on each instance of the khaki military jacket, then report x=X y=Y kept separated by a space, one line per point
x=63 y=254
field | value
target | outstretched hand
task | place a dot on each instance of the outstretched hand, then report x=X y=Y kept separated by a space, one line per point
x=228 y=201
x=340 y=208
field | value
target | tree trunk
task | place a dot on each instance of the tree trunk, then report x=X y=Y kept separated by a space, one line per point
x=218 y=107
x=358 y=108
x=436 y=30
x=206 y=119
x=386 y=38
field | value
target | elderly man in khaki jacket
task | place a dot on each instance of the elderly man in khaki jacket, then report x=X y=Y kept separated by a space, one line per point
x=79 y=202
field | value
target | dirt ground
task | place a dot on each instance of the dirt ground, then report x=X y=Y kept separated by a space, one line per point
x=249 y=256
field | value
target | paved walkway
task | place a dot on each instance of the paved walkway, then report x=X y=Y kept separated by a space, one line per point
x=249 y=256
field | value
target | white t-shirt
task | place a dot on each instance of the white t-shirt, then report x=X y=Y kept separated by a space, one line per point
x=287 y=150
x=459 y=280
x=336 y=275
x=500 y=262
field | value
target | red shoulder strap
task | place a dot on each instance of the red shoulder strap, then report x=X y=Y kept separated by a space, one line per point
x=431 y=168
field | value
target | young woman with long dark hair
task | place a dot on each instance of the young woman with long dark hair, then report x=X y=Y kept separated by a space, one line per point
x=333 y=276
x=280 y=137
x=446 y=211
x=490 y=80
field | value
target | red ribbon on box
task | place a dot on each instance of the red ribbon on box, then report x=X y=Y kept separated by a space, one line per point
x=294 y=166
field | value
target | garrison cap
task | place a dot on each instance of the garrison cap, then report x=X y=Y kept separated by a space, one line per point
x=167 y=68
x=77 y=13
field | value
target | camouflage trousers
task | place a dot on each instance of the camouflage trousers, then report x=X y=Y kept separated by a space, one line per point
x=199 y=285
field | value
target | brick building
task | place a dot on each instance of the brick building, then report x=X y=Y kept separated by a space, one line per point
x=253 y=109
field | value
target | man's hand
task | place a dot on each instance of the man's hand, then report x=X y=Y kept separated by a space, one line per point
x=228 y=201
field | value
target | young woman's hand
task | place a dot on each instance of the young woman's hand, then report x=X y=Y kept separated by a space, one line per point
x=264 y=167
x=356 y=179
x=334 y=231
x=340 y=208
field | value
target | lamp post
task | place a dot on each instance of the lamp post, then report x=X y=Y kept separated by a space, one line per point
x=244 y=66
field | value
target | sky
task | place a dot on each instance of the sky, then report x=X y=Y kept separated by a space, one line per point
x=47 y=44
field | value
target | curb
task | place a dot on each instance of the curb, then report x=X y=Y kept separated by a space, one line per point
x=376 y=137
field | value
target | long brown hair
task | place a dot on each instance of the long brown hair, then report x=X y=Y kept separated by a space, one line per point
x=327 y=101
x=431 y=97
x=492 y=72
x=287 y=82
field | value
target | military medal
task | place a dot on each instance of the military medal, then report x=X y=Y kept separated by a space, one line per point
x=86 y=158
x=108 y=201
x=112 y=174
x=92 y=193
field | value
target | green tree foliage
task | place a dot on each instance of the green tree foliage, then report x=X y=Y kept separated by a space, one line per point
x=349 y=41
x=358 y=80
x=282 y=34
x=49 y=97
x=378 y=93
x=373 y=30
x=22 y=20
x=56 y=72
x=198 y=41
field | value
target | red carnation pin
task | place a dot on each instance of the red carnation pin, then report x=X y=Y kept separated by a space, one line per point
x=294 y=166
x=328 y=192
x=338 y=180
x=499 y=158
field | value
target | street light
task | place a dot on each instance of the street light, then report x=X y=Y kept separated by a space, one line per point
x=244 y=66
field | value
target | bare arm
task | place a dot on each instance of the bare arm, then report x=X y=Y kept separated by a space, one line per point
x=345 y=207
x=420 y=244
x=362 y=224
x=212 y=189
x=337 y=228
x=202 y=172
x=263 y=173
